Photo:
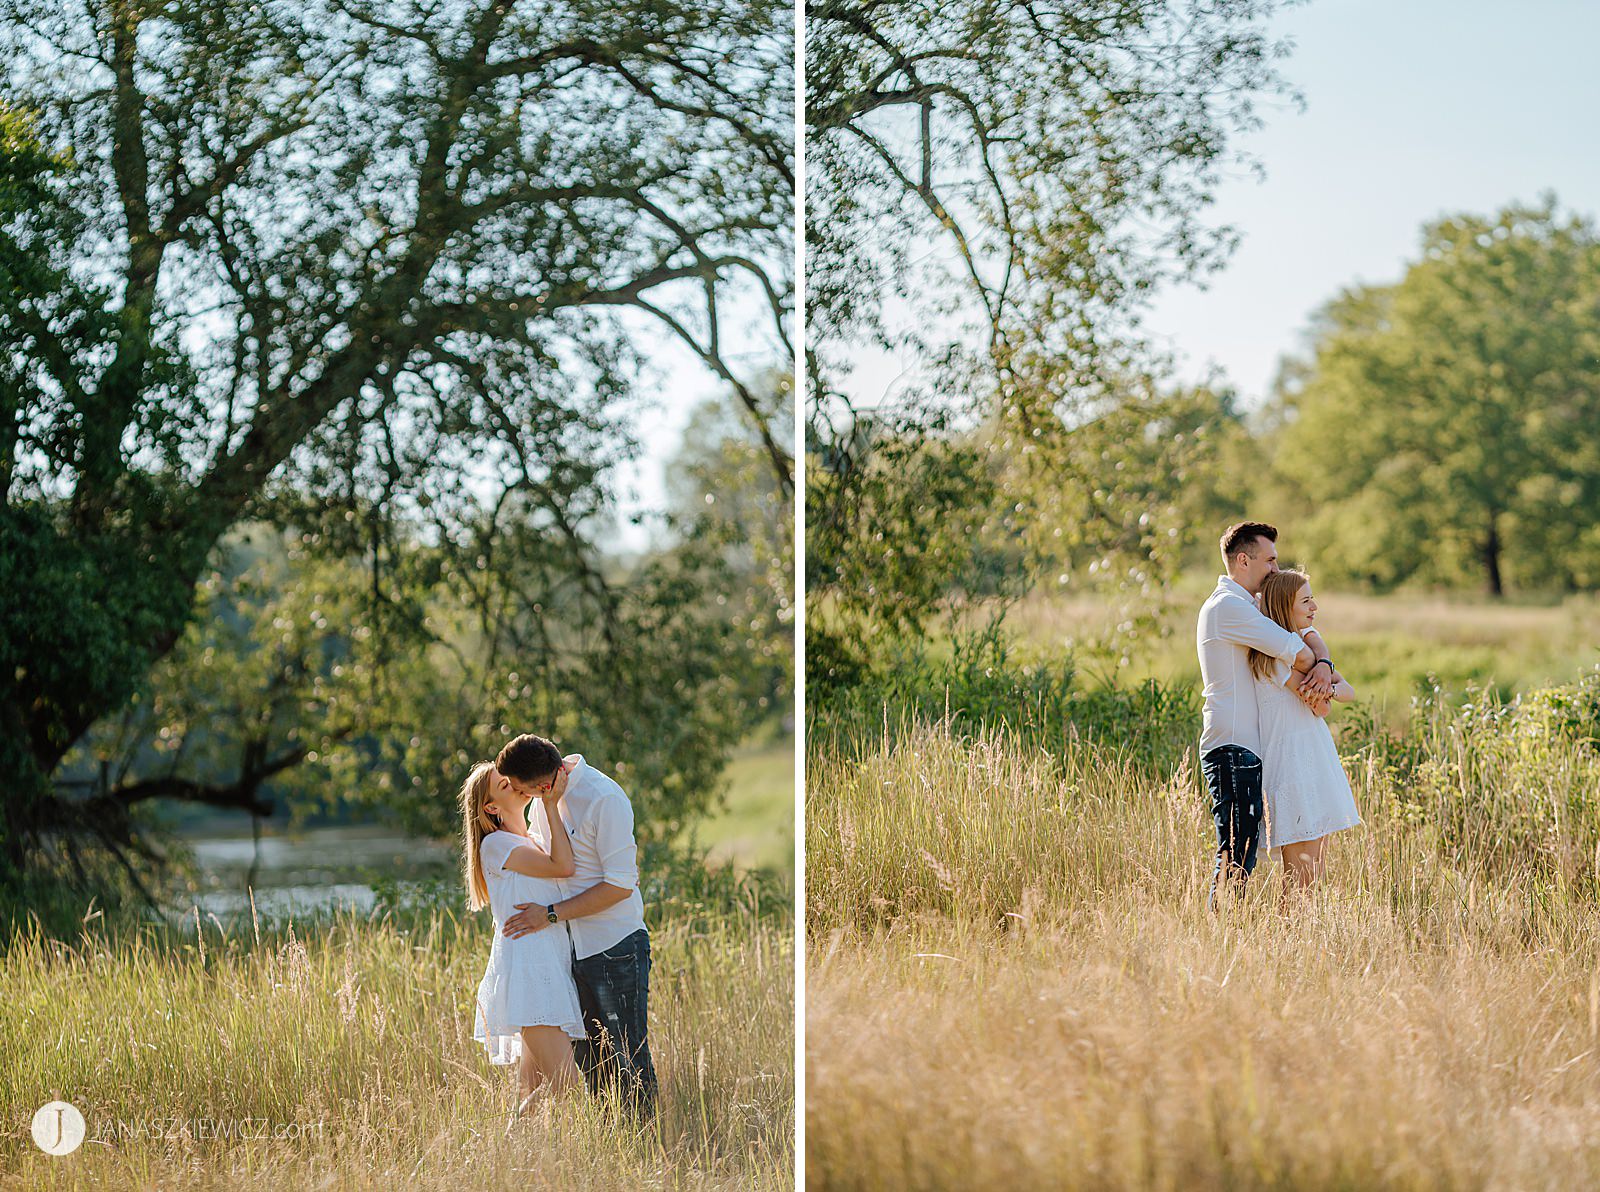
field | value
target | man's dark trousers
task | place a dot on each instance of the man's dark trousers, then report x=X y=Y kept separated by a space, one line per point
x=614 y=992
x=1233 y=779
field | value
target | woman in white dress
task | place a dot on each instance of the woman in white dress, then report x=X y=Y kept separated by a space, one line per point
x=527 y=1011
x=1307 y=794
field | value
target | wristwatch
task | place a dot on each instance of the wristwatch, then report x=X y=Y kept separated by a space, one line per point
x=550 y=913
x=1329 y=661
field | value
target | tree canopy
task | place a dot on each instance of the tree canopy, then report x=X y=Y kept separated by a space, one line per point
x=375 y=270
x=994 y=189
x=1058 y=157
x=1449 y=419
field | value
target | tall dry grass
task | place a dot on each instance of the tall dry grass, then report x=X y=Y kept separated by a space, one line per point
x=1013 y=978
x=349 y=1047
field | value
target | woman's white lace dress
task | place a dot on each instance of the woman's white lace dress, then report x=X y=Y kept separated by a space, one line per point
x=1307 y=794
x=528 y=981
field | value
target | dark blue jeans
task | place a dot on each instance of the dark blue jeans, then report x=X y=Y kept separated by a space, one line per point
x=614 y=993
x=1233 y=779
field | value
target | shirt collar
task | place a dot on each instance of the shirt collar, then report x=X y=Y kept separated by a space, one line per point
x=1228 y=584
x=577 y=778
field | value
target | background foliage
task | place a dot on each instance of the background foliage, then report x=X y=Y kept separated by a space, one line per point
x=322 y=327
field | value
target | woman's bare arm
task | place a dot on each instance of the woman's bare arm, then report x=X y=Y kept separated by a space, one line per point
x=560 y=843
x=533 y=861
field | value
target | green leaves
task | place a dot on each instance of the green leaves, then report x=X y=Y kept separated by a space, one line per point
x=993 y=193
x=1448 y=420
x=1042 y=167
x=378 y=275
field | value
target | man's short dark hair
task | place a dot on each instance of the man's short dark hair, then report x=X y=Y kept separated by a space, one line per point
x=1242 y=537
x=529 y=759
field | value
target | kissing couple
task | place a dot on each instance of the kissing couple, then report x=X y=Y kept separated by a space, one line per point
x=1270 y=764
x=549 y=849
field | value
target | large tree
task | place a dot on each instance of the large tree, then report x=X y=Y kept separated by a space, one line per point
x=348 y=263
x=994 y=188
x=1056 y=158
x=381 y=702
x=1444 y=428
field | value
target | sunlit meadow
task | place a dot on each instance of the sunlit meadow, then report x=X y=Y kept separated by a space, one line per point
x=1013 y=978
x=1387 y=644
x=341 y=1055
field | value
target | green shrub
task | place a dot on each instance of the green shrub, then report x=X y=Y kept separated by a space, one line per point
x=984 y=679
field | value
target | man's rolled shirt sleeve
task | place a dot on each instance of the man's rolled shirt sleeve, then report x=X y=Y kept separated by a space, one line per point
x=1237 y=622
x=614 y=843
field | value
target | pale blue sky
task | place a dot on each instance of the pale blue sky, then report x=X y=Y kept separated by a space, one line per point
x=675 y=384
x=1413 y=110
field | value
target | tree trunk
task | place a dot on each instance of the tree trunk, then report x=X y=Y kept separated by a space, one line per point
x=25 y=796
x=1491 y=559
x=100 y=612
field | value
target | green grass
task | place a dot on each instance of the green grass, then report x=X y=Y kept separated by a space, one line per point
x=1386 y=645
x=756 y=828
x=349 y=1044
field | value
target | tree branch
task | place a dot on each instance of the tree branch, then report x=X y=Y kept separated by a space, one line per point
x=241 y=794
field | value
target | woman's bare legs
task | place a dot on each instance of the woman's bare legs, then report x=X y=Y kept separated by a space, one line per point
x=548 y=1069
x=529 y=1078
x=1303 y=865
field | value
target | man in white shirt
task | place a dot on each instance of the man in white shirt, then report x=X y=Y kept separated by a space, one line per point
x=601 y=908
x=1230 y=625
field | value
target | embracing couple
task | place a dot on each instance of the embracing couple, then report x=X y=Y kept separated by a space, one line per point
x=1265 y=749
x=549 y=849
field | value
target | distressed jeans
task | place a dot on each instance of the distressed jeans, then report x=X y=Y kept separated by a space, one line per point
x=1233 y=780
x=614 y=993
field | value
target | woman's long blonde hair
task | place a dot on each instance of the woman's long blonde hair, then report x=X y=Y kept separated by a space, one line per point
x=1278 y=595
x=476 y=824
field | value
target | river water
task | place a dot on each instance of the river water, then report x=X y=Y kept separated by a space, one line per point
x=315 y=870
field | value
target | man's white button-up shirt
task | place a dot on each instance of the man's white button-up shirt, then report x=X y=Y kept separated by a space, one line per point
x=599 y=819
x=1230 y=624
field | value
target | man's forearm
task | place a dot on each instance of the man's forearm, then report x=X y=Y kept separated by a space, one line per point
x=1315 y=687
x=598 y=897
x=1319 y=653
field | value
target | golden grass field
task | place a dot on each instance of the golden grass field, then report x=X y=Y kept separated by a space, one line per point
x=1013 y=979
x=349 y=1046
